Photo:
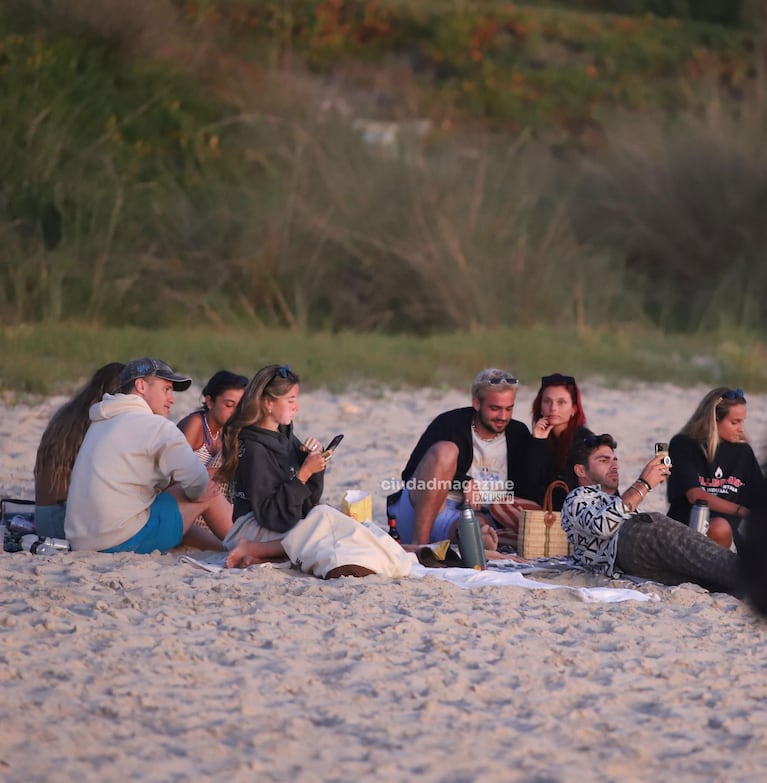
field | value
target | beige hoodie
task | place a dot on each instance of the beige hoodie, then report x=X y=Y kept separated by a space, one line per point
x=128 y=456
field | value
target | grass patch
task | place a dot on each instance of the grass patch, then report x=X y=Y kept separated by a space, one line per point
x=46 y=359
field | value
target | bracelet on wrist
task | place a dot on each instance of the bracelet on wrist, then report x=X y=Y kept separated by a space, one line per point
x=638 y=489
x=646 y=483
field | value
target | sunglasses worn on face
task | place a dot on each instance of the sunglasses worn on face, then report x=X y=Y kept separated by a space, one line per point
x=594 y=441
x=733 y=394
x=557 y=380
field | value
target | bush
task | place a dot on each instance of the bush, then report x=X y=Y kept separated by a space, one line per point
x=130 y=193
x=88 y=146
x=685 y=205
x=724 y=12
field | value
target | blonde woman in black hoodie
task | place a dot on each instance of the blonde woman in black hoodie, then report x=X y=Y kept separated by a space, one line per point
x=277 y=478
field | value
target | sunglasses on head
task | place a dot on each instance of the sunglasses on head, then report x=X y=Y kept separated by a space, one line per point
x=557 y=380
x=594 y=441
x=510 y=379
x=283 y=372
x=734 y=394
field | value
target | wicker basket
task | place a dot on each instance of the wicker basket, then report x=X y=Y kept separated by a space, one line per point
x=541 y=534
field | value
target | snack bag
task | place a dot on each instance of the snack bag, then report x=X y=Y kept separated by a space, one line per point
x=358 y=505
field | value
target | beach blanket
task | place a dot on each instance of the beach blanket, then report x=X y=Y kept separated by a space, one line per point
x=467 y=578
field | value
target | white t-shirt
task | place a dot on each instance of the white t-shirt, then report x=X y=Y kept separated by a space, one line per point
x=489 y=468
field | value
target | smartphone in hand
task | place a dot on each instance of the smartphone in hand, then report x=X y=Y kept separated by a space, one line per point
x=333 y=444
x=662 y=448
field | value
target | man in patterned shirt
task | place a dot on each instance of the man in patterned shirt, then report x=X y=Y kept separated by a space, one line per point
x=608 y=533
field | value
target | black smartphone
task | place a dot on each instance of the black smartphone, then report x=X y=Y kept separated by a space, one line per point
x=333 y=443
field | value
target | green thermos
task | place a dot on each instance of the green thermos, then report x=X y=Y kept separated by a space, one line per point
x=470 y=540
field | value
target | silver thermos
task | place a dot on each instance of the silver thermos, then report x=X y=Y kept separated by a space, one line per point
x=699 y=516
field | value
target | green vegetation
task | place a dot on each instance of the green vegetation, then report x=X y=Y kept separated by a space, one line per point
x=725 y=12
x=45 y=359
x=204 y=164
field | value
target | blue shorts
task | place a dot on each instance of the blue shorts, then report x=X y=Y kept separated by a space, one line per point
x=405 y=515
x=163 y=530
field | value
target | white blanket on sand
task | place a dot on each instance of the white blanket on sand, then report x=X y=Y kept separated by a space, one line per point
x=464 y=577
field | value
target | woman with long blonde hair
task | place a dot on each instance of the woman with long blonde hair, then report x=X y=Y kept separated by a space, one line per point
x=277 y=479
x=711 y=460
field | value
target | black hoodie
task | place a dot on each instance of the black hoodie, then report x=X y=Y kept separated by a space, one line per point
x=266 y=481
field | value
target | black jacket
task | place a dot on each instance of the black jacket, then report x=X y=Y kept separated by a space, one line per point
x=541 y=463
x=266 y=480
x=455 y=426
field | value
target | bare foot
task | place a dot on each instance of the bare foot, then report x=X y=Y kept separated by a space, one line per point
x=241 y=556
x=489 y=536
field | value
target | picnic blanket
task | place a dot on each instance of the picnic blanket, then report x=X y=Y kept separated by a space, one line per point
x=510 y=574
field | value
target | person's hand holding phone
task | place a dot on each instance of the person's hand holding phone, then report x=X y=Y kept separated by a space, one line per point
x=317 y=458
x=315 y=462
x=311 y=444
x=658 y=468
x=330 y=449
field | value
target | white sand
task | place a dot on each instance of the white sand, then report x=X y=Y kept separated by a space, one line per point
x=138 y=667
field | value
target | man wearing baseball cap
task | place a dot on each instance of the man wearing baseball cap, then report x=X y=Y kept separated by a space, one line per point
x=137 y=486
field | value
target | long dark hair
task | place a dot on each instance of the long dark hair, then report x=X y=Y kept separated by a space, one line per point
x=564 y=442
x=65 y=431
x=272 y=381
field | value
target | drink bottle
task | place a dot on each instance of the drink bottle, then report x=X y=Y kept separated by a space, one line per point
x=21 y=525
x=699 y=516
x=470 y=540
x=41 y=545
x=393 y=532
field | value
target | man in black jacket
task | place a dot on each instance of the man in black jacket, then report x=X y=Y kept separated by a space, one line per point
x=474 y=454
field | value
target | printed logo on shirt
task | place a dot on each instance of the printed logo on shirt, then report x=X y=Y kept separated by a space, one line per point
x=721 y=485
x=489 y=472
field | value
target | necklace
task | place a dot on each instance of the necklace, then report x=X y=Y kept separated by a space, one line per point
x=482 y=437
x=210 y=429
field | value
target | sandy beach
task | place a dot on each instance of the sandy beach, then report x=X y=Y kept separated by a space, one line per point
x=118 y=667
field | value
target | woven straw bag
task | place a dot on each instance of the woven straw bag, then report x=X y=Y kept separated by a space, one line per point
x=541 y=534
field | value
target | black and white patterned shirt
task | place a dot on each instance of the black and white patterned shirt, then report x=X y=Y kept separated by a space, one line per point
x=592 y=518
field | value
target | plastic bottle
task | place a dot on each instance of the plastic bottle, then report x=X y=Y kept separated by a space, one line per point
x=41 y=545
x=470 y=540
x=20 y=525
